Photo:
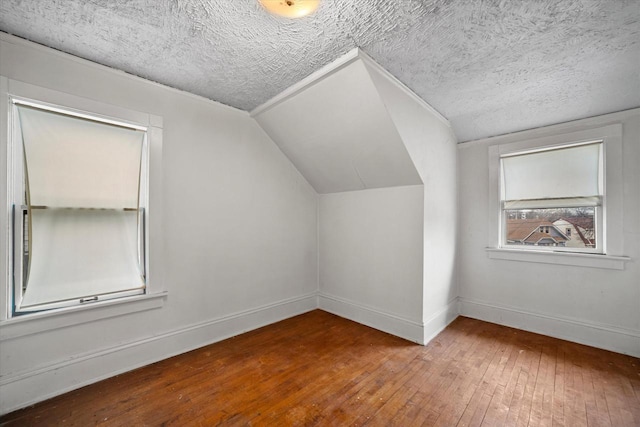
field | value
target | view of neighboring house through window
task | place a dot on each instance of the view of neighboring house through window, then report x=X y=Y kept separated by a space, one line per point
x=79 y=197
x=552 y=198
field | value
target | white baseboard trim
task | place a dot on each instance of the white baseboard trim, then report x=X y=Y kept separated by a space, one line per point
x=440 y=320
x=386 y=322
x=607 y=337
x=28 y=387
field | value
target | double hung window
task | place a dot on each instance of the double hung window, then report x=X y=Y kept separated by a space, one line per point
x=552 y=198
x=556 y=196
x=78 y=197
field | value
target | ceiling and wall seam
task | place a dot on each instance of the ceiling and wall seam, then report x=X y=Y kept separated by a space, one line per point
x=564 y=127
x=491 y=68
x=14 y=40
x=391 y=78
x=312 y=79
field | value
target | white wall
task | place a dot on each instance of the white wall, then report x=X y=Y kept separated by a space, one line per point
x=239 y=235
x=371 y=257
x=356 y=270
x=431 y=144
x=353 y=126
x=594 y=306
x=337 y=132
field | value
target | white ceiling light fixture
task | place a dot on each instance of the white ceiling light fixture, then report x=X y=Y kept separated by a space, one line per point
x=290 y=8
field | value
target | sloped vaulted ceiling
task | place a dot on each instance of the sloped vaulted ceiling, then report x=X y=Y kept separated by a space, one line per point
x=334 y=127
x=337 y=128
x=490 y=67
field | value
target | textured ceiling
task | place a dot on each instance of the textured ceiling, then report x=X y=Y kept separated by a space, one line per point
x=490 y=67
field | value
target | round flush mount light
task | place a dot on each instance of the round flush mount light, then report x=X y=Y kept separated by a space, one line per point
x=290 y=8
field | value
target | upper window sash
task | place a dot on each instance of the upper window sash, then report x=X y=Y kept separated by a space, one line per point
x=568 y=172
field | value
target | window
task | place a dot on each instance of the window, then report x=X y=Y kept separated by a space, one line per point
x=79 y=193
x=545 y=190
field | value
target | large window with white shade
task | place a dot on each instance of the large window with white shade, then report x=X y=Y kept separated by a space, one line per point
x=552 y=198
x=78 y=199
x=556 y=195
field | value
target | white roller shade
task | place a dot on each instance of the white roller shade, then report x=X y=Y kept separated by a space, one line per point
x=77 y=253
x=566 y=177
x=80 y=176
x=73 y=162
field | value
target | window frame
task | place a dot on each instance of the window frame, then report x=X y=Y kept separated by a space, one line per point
x=612 y=232
x=33 y=322
x=599 y=210
x=17 y=185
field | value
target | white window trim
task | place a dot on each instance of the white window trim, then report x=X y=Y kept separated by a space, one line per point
x=63 y=317
x=48 y=320
x=577 y=259
x=612 y=237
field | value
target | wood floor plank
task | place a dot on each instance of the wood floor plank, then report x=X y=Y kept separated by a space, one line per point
x=498 y=407
x=473 y=365
x=516 y=398
x=541 y=406
x=434 y=383
x=320 y=370
x=520 y=409
x=479 y=401
x=597 y=413
x=522 y=361
x=558 y=389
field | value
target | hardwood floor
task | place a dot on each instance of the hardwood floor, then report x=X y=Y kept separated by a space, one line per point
x=319 y=369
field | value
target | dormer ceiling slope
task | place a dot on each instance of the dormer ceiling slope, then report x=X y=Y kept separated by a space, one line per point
x=336 y=130
x=490 y=67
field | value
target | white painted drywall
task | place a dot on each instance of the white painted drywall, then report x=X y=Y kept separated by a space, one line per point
x=590 y=305
x=432 y=147
x=339 y=135
x=371 y=257
x=239 y=234
x=356 y=269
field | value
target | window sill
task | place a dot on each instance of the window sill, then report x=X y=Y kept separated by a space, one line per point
x=55 y=319
x=559 y=258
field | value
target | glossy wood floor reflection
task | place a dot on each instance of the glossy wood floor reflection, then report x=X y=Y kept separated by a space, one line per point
x=319 y=369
